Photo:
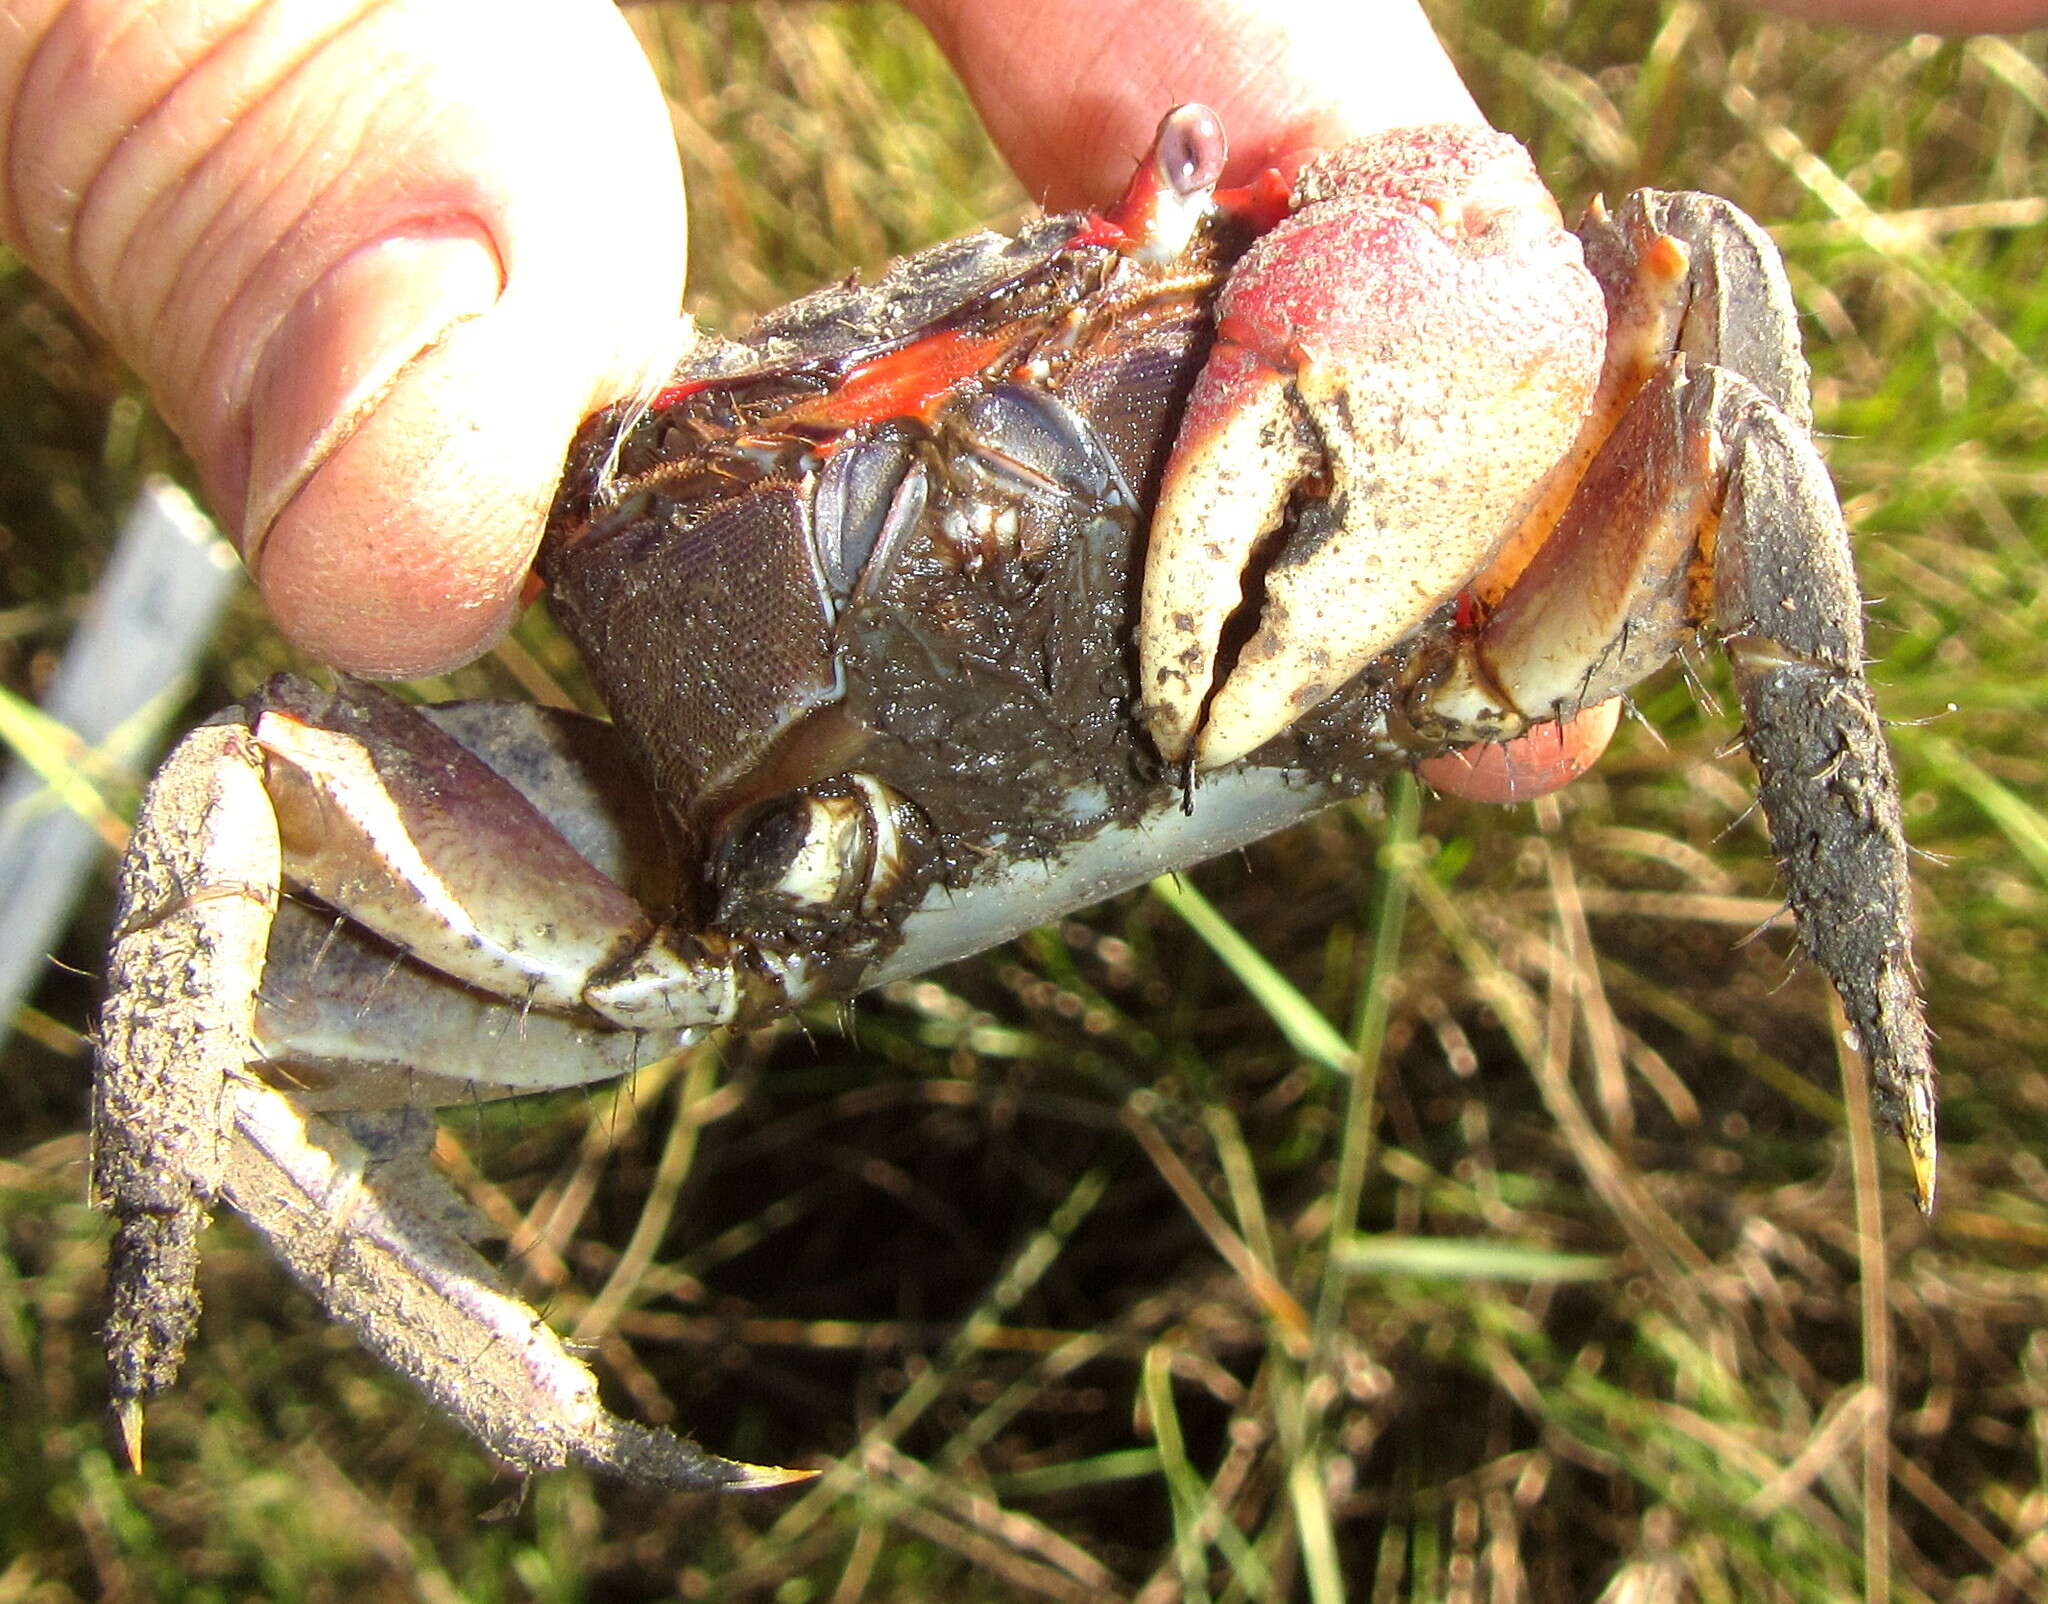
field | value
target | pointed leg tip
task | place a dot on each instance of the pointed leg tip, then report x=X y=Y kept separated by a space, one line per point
x=1922 y=1147
x=655 y=1457
x=1921 y=1154
x=758 y=1478
x=128 y=1427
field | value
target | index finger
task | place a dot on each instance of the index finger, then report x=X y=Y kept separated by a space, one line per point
x=1071 y=89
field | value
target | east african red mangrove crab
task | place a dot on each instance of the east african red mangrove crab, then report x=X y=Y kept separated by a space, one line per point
x=938 y=607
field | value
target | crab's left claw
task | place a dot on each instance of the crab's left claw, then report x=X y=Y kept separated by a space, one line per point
x=1326 y=492
x=214 y=1005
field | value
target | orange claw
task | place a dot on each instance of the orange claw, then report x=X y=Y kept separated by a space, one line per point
x=1543 y=758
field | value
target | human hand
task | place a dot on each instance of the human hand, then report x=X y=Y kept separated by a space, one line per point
x=349 y=251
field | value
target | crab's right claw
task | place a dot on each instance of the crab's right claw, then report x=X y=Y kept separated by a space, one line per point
x=1397 y=368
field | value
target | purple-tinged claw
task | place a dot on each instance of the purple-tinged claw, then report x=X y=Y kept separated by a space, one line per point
x=387 y=818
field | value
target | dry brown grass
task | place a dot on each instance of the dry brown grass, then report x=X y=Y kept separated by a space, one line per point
x=1046 y=1258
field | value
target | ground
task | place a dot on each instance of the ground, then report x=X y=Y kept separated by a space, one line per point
x=1041 y=1245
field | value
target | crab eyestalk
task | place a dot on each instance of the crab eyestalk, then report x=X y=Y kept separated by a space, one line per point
x=1172 y=193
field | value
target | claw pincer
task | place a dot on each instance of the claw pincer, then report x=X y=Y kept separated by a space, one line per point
x=1397 y=366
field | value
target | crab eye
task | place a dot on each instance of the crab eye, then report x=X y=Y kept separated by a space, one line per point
x=842 y=848
x=1190 y=149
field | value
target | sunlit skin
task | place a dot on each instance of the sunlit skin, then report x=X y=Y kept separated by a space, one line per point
x=367 y=301
x=1545 y=759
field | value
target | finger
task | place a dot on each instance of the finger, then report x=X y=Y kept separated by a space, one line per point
x=375 y=263
x=1071 y=89
x=1542 y=759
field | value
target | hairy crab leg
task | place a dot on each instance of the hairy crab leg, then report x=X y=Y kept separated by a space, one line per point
x=183 y=1119
x=1708 y=506
x=357 y=1212
x=198 y=888
x=240 y=1022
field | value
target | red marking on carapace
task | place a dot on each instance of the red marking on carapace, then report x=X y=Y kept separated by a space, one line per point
x=676 y=394
x=1124 y=224
x=907 y=382
x=1259 y=206
x=1104 y=230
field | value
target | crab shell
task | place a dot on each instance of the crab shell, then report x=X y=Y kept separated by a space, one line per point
x=922 y=508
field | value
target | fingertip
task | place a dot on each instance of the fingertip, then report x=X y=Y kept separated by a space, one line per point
x=1544 y=758
x=394 y=585
x=1071 y=89
x=405 y=546
x=376 y=275
x=411 y=406
x=344 y=346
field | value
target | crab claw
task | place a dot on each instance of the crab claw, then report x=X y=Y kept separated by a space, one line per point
x=1398 y=366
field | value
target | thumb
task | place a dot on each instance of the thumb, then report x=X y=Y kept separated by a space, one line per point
x=375 y=264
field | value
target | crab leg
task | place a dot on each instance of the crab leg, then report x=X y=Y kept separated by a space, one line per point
x=1707 y=506
x=183 y=1117
x=359 y=1215
x=198 y=887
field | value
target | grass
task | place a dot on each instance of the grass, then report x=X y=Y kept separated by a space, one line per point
x=1433 y=1203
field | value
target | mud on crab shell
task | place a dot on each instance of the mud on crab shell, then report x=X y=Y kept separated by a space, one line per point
x=939 y=607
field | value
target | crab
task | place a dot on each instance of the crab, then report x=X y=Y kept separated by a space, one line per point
x=939 y=607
